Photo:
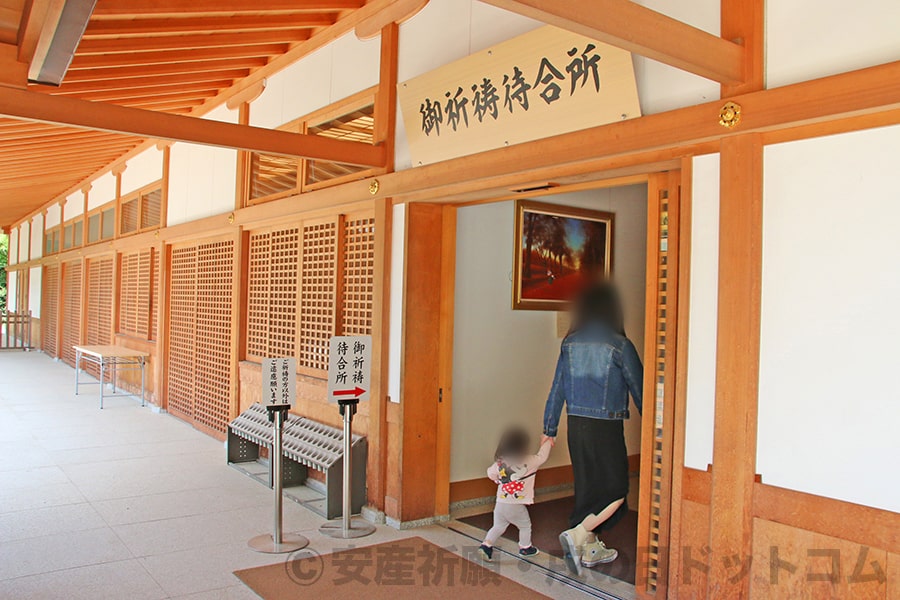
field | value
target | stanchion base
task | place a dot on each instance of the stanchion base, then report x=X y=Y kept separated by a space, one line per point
x=358 y=529
x=289 y=543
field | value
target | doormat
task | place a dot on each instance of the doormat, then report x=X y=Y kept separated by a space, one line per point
x=549 y=519
x=408 y=568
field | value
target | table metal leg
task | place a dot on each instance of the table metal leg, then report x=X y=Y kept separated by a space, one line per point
x=77 y=370
x=142 y=382
x=102 y=375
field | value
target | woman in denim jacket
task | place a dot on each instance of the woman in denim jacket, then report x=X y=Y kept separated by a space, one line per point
x=598 y=366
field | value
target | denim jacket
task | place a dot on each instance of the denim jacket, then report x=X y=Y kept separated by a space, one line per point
x=595 y=371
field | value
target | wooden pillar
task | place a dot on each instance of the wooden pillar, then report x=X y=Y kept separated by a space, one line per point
x=164 y=200
x=737 y=363
x=420 y=370
x=445 y=359
x=242 y=185
x=381 y=312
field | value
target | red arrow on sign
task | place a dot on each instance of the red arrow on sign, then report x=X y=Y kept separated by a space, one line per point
x=355 y=393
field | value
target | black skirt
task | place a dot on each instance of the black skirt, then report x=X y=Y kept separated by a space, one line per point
x=600 y=466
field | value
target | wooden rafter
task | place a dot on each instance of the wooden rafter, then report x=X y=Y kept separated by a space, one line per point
x=640 y=30
x=163 y=93
x=140 y=27
x=156 y=81
x=142 y=123
x=188 y=42
x=175 y=56
x=179 y=68
x=174 y=7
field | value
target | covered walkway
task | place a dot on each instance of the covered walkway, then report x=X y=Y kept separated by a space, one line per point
x=126 y=503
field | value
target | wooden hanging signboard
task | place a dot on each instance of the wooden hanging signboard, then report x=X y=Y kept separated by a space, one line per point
x=543 y=83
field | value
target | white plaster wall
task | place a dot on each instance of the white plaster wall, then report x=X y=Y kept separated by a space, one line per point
x=336 y=71
x=143 y=169
x=395 y=335
x=504 y=359
x=34 y=291
x=661 y=87
x=808 y=39
x=13 y=256
x=53 y=214
x=703 y=312
x=103 y=190
x=828 y=399
x=74 y=205
x=12 y=278
x=201 y=178
x=37 y=239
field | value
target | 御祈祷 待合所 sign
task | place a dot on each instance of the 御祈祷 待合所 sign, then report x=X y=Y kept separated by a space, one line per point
x=543 y=83
x=349 y=367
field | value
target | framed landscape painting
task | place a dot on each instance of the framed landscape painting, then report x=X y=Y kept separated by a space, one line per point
x=558 y=250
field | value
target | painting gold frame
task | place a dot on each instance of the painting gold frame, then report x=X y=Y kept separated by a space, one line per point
x=544 y=299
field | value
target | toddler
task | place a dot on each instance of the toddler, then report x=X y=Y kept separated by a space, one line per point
x=513 y=471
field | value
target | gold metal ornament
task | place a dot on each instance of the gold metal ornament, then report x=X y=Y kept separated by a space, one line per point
x=730 y=115
x=231 y=218
x=374 y=186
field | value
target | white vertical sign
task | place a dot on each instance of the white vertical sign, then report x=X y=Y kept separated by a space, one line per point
x=349 y=367
x=279 y=381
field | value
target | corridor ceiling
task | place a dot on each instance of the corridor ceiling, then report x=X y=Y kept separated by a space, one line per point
x=173 y=56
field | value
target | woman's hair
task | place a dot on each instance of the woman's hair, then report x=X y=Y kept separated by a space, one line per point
x=599 y=303
x=513 y=444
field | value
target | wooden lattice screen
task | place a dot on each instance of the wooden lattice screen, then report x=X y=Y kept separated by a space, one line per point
x=99 y=299
x=317 y=294
x=272 y=293
x=359 y=276
x=154 y=295
x=330 y=263
x=182 y=332
x=201 y=354
x=659 y=392
x=49 y=309
x=71 y=319
x=136 y=298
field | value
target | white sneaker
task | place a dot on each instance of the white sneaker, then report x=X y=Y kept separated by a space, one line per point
x=596 y=554
x=572 y=541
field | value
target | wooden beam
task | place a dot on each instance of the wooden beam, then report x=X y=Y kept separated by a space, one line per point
x=34 y=14
x=189 y=42
x=246 y=97
x=397 y=12
x=142 y=123
x=386 y=98
x=628 y=25
x=137 y=27
x=743 y=22
x=13 y=72
x=866 y=91
x=182 y=68
x=737 y=361
x=154 y=7
x=164 y=57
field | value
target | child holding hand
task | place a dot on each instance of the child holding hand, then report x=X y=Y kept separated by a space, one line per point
x=513 y=471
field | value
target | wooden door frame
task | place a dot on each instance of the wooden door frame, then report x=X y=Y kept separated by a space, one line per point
x=674 y=407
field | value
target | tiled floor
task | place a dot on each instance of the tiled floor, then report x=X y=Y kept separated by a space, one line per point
x=128 y=504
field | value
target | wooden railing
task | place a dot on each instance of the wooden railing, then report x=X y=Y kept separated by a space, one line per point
x=15 y=331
